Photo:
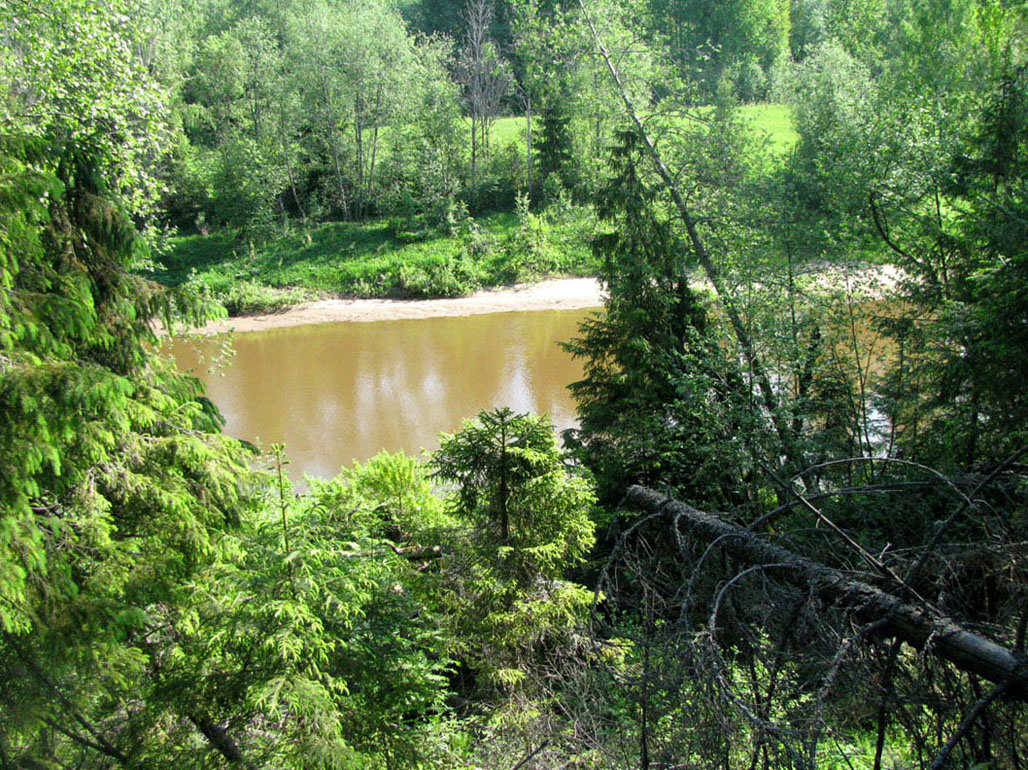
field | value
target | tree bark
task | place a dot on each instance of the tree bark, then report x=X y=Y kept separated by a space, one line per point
x=219 y=738
x=920 y=627
x=528 y=139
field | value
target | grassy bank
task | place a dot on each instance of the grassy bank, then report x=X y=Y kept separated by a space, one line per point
x=382 y=259
x=767 y=121
x=401 y=258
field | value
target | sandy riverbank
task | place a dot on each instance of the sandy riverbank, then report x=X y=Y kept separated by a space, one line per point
x=872 y=281
x=558 y=294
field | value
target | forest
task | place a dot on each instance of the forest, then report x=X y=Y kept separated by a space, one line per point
x=790 y=528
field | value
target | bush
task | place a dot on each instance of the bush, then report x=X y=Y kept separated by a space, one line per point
x=449 y=277
x=751 y=84
x=500 y=176
x=247 y=297
x=527 y=249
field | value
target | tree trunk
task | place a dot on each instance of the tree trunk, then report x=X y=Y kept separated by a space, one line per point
x=917 y=626
x=528 y=140
x=783 y=428
x=474 y=151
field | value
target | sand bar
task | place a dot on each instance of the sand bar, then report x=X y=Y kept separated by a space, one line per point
x=873 y=281
x=557 y=294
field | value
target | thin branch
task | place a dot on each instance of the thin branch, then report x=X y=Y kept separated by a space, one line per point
x=883 y=707
x=74 y=736
x=968 y=723
x=884 y=232
x=968 y=503
x=1022 y=626
x=829 y=680
x=921 y=627
x=102 y=744
x=5 y=759
x=528 y=758
x=866 y=555
x=757 y=719
x=894 y=486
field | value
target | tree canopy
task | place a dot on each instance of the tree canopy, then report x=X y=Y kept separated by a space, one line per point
x=820 y=334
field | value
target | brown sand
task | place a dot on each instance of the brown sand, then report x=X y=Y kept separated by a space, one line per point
x=558 y=294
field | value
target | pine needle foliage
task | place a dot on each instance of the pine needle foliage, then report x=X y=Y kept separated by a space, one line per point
x=660 y=403
x=114 y=484
x=525 y=522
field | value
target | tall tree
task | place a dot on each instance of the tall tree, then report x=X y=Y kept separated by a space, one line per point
x=714 y=39
x=357 y=70
x=966 y=319
x=59 y=62
x=484 y=75
x=512 y=486
x=659 y=402
x=116 y=486
x=524 y=523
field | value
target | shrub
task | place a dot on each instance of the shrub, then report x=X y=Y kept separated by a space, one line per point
x=247 y=297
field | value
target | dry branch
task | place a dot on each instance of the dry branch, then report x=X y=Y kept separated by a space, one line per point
x=923 y=628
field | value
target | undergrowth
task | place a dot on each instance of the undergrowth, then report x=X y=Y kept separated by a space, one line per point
x=398 y=258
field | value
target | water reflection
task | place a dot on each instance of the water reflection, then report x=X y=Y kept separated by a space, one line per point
x=334 y=393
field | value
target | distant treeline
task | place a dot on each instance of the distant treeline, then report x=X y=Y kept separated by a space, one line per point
x=312 y=111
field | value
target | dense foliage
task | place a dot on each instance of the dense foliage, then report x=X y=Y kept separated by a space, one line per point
x=820 y=333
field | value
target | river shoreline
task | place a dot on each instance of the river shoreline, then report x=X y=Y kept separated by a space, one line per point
x=870 y=281
x=554 y=294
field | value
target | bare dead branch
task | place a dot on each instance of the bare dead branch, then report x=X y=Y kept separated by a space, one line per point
x=920 y=627
x=968 y=722
x=888 y=688
x=528 y=758
x=967 y=504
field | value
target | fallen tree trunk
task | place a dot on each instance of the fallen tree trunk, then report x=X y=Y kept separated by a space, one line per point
x=920 y=627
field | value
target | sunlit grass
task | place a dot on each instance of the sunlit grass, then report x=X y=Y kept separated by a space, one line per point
x=378 y=259
x=773 y=121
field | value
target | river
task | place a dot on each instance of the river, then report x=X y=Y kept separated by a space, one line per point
x=338 y=392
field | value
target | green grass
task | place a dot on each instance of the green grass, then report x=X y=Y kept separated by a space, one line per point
x=395 y=258
x=770 y=124
x=773 y=122
x=507 y=131
x=379 y=259
x=767 y=121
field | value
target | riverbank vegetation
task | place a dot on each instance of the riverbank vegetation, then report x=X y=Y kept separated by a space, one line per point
x=378 y=258
x=413 y=255
x=858 y=598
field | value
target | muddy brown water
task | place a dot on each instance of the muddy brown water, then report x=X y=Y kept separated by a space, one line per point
x=338 y=392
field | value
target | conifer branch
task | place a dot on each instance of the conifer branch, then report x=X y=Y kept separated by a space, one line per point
x=699 y=246
x=102 y=744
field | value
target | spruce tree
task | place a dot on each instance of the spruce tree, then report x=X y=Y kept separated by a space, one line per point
x=115 y=485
